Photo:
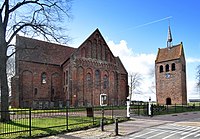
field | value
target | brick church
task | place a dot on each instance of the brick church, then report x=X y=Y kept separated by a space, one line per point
x=52 y=75
x=170 y=71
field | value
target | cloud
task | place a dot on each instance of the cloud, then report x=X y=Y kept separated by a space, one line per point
x=133 y=62
x=192 y=60
x=136 y=63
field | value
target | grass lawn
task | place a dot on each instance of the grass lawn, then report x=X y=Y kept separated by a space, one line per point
x=48 y=126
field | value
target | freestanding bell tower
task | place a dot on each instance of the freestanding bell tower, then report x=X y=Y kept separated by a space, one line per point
x=170 y=71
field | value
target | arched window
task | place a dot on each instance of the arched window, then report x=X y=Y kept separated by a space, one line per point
x=88 y=79
x=105 y=82
x=43 y=78
x=161 y=68
x=97 y=77
x=173 y=67
x=66 y=76
x=167 y=68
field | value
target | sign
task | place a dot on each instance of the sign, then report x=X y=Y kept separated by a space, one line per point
x=103 y=100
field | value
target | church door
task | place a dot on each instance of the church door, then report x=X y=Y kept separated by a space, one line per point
x=168 y=101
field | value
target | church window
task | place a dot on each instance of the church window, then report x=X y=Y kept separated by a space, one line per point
x=94 y=49
x=44 y=78
x=161 y=69
x=167 y=68
x=88 y=79
x=173 y=67
x=105 y=82
x=97 y=77
x=66 y=77
x=89 y=49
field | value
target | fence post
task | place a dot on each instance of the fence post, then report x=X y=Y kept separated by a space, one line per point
x=112 y=110
x=30 y=122
x=102 y=119
x=167 y=109
x=116 y=126
x=152 y=112
x=67 y=116
x=182 y=107
x=199 y=105
x=93 y=114
x=175 y=107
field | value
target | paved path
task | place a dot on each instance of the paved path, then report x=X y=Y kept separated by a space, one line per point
x=136 y=124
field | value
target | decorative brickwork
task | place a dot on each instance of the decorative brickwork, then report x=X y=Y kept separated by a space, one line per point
x=52 y=75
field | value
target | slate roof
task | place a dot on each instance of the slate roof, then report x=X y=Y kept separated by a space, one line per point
x=172 y=53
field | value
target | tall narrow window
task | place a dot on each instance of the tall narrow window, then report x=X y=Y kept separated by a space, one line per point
x=105 y=82
x=88 y=78
x=173 y=67
x=167 y=68
x=44 y=78
x=161 y=68
x=97 y=77
x=66 y=77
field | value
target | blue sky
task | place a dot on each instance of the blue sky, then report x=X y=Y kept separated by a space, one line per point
x=135 y=29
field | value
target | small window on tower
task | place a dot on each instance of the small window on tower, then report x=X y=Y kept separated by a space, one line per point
x=161 y=68
x=167 y=68
x=173 y=67
x=44 y=78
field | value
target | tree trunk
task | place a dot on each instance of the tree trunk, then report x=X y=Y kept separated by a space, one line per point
x=4 y=85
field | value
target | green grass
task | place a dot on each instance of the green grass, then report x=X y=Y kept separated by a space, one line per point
x=49 y=126
x=41 y=125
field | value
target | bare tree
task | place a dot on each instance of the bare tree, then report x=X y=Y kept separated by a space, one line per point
x=135 y=82
x=33 y=18
x=198 y=77
x=152 y=88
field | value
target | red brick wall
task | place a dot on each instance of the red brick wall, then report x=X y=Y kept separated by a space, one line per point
x=30 y=80
x=68 y=80
x=173 y=87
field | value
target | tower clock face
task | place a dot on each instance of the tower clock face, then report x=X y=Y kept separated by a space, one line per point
x=167 y=75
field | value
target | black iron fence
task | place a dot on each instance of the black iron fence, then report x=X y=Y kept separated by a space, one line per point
x=169 y=109
x=30 y=123
x=139 y=108
x=142 y=108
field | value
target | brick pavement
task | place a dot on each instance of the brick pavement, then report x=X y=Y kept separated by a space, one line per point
x=135 y=124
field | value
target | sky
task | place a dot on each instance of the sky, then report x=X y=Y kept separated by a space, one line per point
x=135 y=29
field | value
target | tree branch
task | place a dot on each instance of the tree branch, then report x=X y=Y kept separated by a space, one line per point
x=19 y=4
x=6 y=16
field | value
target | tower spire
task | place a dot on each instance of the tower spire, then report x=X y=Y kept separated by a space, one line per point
x=169 y=38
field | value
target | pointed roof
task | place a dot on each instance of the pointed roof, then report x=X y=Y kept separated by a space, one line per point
x=166 y=54
x=100 y=37
x=169 y=39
